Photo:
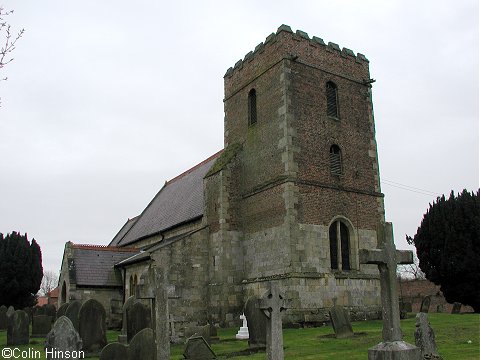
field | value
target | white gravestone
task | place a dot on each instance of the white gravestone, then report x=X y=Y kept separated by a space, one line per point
x=243 y=332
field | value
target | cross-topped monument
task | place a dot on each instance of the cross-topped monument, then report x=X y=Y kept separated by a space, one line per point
x=273 y=303
x=387 y=258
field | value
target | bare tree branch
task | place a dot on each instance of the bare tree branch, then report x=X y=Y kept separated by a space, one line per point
x=49 y=282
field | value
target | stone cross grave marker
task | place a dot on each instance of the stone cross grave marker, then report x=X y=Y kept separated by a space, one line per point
x=273 y=303
x=340 y=322
x=63 y=337
x=386 y=257
x=243 y=332
x=425 y=337
x=425 y=304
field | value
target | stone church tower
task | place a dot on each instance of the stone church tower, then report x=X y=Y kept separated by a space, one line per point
x=296 y=192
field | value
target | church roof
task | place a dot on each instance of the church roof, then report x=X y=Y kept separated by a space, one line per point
x=179 y=201
x=93 y=265
x=123 y=231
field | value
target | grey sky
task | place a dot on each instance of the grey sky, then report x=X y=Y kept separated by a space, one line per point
x=107 y=100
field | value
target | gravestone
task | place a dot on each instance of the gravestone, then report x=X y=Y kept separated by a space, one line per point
x=50 y=310
x=198 y=349
x=142 y=346
x=10 y=312
x=126 y=306
x=425 y=337
x=62 y=309
x=114 y=351
x=29 y=311
x=41 y=325
x=3 y=317
x=341 y=322
x=91 y=324
x=257 y=323
x=440 y=308
x=242 y=333
x=425 y=304
x=39 y=310
x=386 y=257
x=72 y=313
x=213 y=333
x=456 y=308
x=18 y=328
x=138 y=318
x=273 y=303
x=203 y=331
x=63 y=337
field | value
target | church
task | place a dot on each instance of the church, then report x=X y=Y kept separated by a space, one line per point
x=292 y=197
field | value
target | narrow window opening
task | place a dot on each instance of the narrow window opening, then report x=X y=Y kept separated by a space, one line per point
x=252 y=107
x=335 y=160
x=333 y=246
x=339 y=246
x=345 y=246
x=332 y=100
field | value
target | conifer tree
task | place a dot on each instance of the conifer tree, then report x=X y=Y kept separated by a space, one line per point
x=20 y=270
x=448 y=247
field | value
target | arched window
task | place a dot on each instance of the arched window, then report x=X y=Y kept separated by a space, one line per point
x=332 y=100
x=335 y=160
x=63 y=295
x=339 y=246
x=252 y=107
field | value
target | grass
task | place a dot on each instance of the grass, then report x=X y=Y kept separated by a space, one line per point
x=452 y=333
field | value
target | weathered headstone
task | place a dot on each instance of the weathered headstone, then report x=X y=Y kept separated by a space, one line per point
x=92 y=328
x=29 y=311
x=41 y=325
x=3 y=317
x=126 y=306
x=341 y=322
x=142 y=346
x=198 y=349
x=213 y=333
x=242 y=333
x=273 y=303
x=50 y=310
x=114 y=351
x=62 y=309
x=257 y=323
x=425 y=304
x=10 y=312
x=18 y=328
x=138 y=318
x=440 y=308
x=72 y=313
x=456 y=308
x=39 y=310
x=386 y=257
x=194 y=330
x=63 y=338
x=425 y=337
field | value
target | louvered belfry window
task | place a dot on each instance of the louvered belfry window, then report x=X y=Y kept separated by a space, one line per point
x=332 y=100
x=335 y=160
x=252 y=107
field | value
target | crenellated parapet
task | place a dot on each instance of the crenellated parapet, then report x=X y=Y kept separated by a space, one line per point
x=299 y=46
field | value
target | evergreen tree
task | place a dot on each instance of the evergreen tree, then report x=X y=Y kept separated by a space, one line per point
x=20 y=270
x=448 y=247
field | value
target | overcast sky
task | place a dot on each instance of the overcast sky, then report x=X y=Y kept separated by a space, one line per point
x=106 y=100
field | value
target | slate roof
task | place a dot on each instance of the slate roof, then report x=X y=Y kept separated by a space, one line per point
x=93 y=265
x=123 y=231
x=179 y=201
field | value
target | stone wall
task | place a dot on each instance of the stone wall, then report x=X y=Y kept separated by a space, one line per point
x=413 y=291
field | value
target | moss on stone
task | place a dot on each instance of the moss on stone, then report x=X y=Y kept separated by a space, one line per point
x=225 y=158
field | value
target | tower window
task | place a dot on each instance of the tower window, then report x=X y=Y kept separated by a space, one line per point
x=339 y=246
x=252 y=107
x=332 y=100
x=335 y=160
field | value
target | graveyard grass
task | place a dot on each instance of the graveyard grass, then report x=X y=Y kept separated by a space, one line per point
x=452 y=333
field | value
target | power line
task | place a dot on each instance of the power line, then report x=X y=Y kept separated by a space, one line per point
x=409 y=188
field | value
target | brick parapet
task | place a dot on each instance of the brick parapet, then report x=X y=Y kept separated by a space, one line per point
x=298 y=46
